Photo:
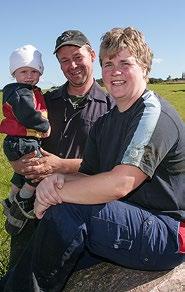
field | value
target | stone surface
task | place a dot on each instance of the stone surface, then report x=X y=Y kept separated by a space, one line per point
x=106 y=277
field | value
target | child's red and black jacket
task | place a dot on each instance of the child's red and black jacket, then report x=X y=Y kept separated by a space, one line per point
x=24 y=110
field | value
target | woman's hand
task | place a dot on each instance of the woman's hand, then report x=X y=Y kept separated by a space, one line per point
x=40 y=209
x=48 y=190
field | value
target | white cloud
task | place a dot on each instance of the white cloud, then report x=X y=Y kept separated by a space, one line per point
x=157 y=60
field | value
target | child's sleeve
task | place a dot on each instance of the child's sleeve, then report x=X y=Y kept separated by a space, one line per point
x=28 y=112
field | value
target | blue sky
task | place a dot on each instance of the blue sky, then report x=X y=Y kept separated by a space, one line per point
x=40 y=22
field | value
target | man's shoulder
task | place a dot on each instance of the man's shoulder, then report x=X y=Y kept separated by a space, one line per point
x=99 y=93
x=55 y=92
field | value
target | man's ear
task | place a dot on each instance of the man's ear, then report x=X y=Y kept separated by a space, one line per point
x=93 y=55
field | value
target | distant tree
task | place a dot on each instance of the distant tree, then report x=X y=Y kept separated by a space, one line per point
x=169 y=78
x=54 y=87
x=100 y=82
x=155 y=80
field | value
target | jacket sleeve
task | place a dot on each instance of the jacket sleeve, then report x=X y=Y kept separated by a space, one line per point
x=24 y=109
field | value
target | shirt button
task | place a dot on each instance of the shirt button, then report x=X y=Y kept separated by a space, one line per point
x=146 y=259
x=116 y=246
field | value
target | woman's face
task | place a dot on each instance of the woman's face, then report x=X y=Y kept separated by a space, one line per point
x=123 y=77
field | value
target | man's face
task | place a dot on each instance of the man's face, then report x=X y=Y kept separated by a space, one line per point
x=123 y=77
x=76 y=64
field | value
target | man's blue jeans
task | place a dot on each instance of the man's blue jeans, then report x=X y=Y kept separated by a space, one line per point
x=118 y=231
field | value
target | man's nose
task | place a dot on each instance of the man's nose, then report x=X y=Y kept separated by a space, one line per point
x=73 y=64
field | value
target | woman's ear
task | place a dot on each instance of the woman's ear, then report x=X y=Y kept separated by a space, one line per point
x=144 y=72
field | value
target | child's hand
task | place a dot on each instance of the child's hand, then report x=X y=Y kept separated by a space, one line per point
x=45 y=135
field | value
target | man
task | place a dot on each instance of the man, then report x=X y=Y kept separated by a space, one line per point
x=127 y=203
x=72 y=110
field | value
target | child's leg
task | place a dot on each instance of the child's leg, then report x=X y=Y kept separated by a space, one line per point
x=19 y=213
x=20 y=210
x=21 y=202
x=24 y=202
x=27 y=191
x=13 y=191
x=7 y=203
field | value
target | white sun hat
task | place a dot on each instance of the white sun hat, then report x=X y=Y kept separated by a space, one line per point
x=26 y=56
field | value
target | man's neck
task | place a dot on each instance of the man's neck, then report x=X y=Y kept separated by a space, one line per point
x=81 y=90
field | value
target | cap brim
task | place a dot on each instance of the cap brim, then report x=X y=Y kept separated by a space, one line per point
x=69 y=43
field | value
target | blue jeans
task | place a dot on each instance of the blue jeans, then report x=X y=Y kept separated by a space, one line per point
x=14 y=148
x=118 y=231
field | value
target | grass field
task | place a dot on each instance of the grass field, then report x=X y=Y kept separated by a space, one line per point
x=174 y=93
x=5 y=175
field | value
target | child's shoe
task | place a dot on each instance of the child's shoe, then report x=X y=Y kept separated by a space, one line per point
x=18 y=213
x=25 y=206
x=6 y=206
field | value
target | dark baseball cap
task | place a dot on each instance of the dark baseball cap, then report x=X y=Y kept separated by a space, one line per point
x=71 y=37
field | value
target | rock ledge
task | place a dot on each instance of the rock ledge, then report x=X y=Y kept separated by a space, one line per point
x=107 y=277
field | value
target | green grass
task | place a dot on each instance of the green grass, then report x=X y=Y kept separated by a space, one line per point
x=174 y=93
x=5 y=176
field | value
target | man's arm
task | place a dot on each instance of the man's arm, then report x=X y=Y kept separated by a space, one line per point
x=96 y=189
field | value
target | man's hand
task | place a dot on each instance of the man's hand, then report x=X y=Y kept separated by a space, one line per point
x=39 y=169
x=35 y=168
x=21 y=165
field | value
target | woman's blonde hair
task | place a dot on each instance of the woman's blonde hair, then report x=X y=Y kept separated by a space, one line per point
x=113 y=41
